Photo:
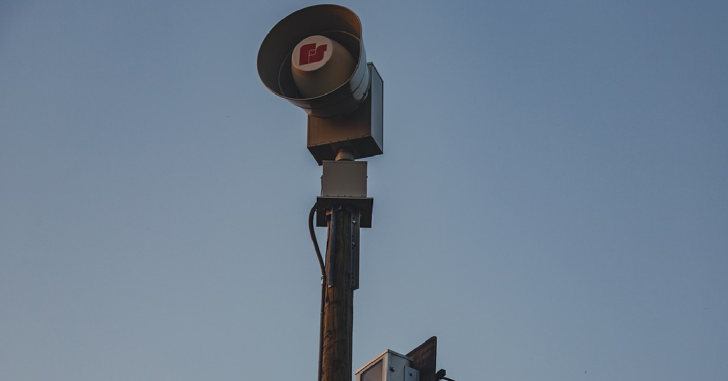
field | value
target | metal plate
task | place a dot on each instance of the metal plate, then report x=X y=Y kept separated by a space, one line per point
x=365 y=206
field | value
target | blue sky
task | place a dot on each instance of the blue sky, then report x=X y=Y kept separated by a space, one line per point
x=551 y=202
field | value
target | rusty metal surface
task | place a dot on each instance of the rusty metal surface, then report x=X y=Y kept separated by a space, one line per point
x=424 y=359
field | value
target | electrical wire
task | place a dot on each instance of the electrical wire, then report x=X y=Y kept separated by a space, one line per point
x=323 y=290
x=315 y=242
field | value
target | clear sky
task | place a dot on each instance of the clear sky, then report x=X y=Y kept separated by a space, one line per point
x=552 y=201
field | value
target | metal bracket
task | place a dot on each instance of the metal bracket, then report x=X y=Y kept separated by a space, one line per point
x=331 y=248
x=364 y=205
x=354 y=250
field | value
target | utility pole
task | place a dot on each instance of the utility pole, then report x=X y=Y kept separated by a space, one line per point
x=339 y=304
x=315 y=59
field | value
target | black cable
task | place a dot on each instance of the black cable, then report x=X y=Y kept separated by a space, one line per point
x=323 y=290
x=315 y=242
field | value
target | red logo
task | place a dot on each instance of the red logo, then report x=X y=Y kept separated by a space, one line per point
x=309 y=53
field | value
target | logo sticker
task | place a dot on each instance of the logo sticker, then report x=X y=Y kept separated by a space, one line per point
x=310 y=53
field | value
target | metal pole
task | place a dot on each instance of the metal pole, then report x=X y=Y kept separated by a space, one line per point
x=339 y=303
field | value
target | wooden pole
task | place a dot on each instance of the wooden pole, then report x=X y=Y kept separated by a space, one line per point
x=339 y=304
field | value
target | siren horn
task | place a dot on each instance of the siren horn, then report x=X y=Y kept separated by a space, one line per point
x=315 y=59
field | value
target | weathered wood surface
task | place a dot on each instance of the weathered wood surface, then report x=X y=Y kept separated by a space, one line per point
x=339 y=305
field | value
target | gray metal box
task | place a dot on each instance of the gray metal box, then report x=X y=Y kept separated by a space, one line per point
x=344 y=179
x=345 y=183
x=361 y=132
x=388 y=366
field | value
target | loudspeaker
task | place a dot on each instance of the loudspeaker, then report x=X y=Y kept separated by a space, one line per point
x=315 y=59
x=277 y=52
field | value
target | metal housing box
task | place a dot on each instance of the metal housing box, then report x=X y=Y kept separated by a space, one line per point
x=361 y=132
x=345 y=183
x=388 y=366
x=344 y=179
